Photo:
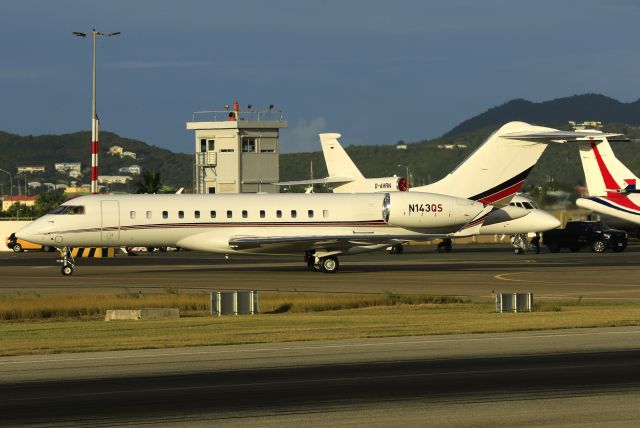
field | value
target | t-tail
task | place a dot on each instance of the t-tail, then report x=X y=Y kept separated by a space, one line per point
x=604 y=173
x=496 y=170
x=610 y=184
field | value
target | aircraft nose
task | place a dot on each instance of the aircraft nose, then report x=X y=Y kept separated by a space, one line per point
x=30 y=232
x=547 y=221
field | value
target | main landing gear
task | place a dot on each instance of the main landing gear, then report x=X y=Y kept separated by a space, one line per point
x=68 y=263
x=327 y=264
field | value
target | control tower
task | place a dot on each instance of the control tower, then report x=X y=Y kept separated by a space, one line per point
x=237 y=151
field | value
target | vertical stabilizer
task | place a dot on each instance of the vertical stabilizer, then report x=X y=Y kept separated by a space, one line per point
x=603 y=171
x=339 y=164
x=496 y=170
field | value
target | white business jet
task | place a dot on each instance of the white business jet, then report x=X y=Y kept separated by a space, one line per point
x=348 y=179
x=611 y=185
x=320 y=226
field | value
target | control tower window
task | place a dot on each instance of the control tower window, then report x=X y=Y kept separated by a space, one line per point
x=211 y=145
x=203 y=145
x=248 y=145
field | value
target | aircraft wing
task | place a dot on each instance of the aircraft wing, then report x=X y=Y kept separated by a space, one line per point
x=326 y=180
x=340 y=242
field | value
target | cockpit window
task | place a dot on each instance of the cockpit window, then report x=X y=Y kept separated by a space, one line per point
x=527 y=205
x=68 y=209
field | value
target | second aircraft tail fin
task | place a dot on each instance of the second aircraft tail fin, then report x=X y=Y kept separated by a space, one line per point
x=603 y=171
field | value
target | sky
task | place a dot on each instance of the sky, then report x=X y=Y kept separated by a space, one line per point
x=374 y=71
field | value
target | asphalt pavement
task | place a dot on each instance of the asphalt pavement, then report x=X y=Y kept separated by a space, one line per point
x=560 y=378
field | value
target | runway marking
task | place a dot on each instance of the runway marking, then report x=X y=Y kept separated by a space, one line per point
x=147 y=355
x=502 y=277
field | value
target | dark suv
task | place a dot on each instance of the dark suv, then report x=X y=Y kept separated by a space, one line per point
x=579 y=234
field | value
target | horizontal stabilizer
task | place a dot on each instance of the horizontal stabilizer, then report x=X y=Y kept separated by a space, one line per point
x=558 y=136
x=326 y=180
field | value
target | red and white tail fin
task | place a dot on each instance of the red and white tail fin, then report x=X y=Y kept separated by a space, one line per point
x=496 y=170
x=603 y=171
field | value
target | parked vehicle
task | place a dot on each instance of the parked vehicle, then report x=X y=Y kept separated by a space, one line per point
x=579 y=234
x=20 y=245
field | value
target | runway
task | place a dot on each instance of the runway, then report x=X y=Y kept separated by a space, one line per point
x=568 y=377
x=472 y=271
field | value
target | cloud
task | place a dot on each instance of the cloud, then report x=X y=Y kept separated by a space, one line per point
x=304 y=136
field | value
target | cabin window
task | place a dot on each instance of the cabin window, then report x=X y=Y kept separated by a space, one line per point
x=196 y=214
x=165 y=214
x=212 y=214
x=245 y=214
x=519 y=204
x=294 y=214
x=229 y=214
x=149 y=215
x=325 y=213
x=180 y=214
x=262 y=214
x=310 y=213
x=132 y=215
x=527 y=205
x=279 y=214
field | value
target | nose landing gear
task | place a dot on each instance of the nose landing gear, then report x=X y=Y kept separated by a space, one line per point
x=67 y=260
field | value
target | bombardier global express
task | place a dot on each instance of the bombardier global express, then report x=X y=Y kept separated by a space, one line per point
x=321 y=227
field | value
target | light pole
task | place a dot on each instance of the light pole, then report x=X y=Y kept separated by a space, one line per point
x=10 y=185
x=94 y=115
x=408 y=177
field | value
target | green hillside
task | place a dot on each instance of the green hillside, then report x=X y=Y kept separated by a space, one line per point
x=175 y=168
x=427 y=163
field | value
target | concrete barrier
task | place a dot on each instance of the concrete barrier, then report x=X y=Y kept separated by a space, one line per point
x=141 y=314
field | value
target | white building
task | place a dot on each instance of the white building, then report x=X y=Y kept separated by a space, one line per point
x=113 y=179
x=133 y=169
x=30 y=169
x=132 y=155
x=237 y=154
x=115 y=151
x=72 y=169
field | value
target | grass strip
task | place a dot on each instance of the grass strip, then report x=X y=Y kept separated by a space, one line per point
x=53 y=336
x=94 y=306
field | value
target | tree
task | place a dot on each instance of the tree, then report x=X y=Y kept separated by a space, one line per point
x=48 y=201
x=148 y=183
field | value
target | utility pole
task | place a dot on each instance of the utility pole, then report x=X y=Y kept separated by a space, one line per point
x=95 y=125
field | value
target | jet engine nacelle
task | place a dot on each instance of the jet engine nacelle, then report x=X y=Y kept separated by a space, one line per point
x=421 y=210
x=374 y=185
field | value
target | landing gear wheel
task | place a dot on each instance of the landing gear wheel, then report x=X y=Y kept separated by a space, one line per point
x=329 y=264
x=67 y=261
x=519 y=251
x=574 y=249
x=17 y=248
x=599 y=247
x=445 y=246
x=396 y=249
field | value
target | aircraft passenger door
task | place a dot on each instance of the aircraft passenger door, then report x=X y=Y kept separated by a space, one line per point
x=110 y=221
